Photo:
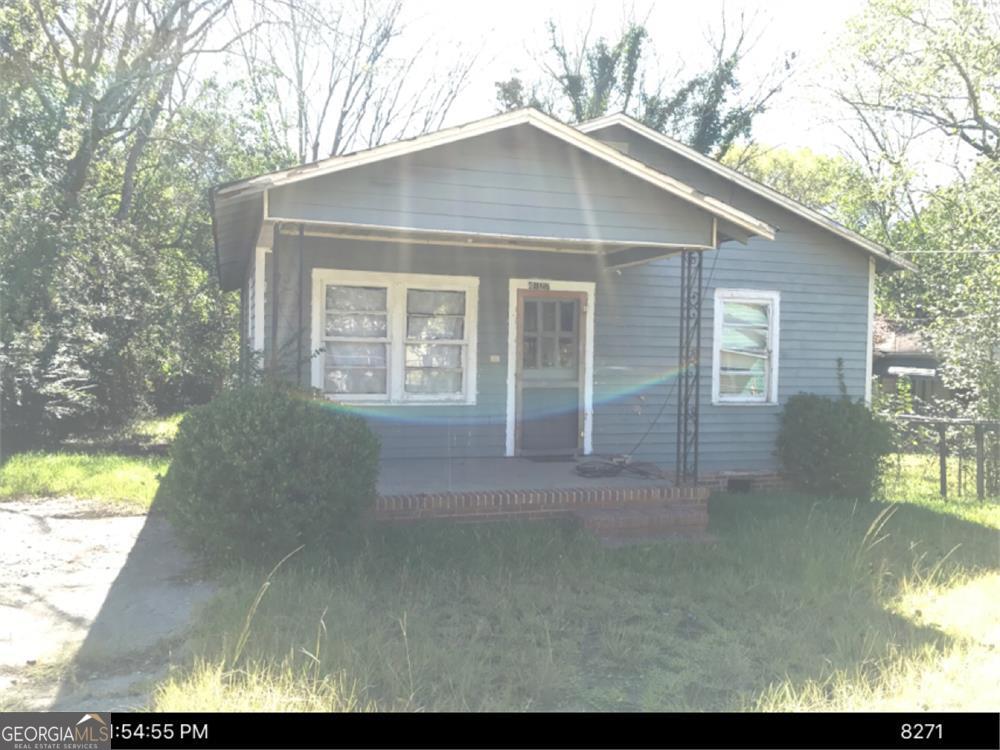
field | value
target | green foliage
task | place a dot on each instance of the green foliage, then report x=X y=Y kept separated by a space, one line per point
x=709 y=111
x=834 y=185
x=955 y=295
x=832 y=447
x=263 y=469
x=107 y=270
x=935 y=61
x=929 y=70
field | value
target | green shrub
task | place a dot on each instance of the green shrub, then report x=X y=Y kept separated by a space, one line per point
x=263 y=469
x=833 y=446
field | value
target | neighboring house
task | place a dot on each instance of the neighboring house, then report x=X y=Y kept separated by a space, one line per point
x=511 y=287
x=906 y=354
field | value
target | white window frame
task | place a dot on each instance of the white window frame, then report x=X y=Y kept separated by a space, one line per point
x=397 y=285
x=751 y=296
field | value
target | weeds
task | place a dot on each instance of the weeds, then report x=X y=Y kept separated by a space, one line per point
x=802 y=604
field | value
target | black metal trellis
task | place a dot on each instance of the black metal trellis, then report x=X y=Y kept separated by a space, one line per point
x=688 y=362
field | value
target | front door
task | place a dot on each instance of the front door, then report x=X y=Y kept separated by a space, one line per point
x=550 y=372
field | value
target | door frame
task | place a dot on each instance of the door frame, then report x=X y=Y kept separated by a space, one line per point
x=513 y=355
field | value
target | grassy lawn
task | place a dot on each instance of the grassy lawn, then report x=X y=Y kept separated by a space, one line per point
x=915 y=479
x=119 y=469
x=129 y=482
x=800 y=605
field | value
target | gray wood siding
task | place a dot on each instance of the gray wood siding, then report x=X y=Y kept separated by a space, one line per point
x=823 y=283
x=426 y=430
x=520 y=182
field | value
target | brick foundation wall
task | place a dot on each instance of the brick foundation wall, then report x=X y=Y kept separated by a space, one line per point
x=686 y=506
x=758 y=481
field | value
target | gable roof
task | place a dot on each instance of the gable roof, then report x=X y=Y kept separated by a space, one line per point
x=243 y=189
x=789 y=204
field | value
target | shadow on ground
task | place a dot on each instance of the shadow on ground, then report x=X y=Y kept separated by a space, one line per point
x=140 y=629
x=515 y=616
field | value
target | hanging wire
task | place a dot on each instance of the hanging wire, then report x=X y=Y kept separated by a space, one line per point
x=615 y=465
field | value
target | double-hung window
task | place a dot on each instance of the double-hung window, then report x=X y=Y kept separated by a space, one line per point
x=395 y=338
x=745 y=347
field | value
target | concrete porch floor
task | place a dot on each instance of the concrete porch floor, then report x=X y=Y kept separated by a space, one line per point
x=411 y=476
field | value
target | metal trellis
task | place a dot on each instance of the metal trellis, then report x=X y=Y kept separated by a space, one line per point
x=688 y=361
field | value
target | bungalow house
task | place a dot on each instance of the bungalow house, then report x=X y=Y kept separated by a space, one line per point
x=518 y=288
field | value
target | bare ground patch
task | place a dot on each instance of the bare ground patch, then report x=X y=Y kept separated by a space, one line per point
x=93 y=604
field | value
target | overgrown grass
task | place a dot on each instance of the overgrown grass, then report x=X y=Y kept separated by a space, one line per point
x=802 y=604
x=914 y=478
x=128 y=481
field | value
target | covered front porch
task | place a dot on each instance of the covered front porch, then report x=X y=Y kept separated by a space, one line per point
x=621 y=506
x=468 y=292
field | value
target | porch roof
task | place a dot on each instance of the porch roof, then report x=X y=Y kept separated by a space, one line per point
x=240 y=210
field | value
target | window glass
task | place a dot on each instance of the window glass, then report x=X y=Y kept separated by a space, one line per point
x=358 y=367
x=356 y=298
x=743 y=353
x=435 y=314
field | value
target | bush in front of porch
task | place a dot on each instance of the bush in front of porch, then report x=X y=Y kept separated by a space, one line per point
x=264 y=469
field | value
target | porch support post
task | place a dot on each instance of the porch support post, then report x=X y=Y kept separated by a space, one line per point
x=275 y=284
x=688 y=362
x=299 y=332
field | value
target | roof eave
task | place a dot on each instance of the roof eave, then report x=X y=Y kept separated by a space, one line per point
x=481 y=127
x=824 y=222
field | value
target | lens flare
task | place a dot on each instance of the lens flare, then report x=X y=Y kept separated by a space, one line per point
x=607 y=390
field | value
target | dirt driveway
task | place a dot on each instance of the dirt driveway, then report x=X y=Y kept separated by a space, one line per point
x=93 y=607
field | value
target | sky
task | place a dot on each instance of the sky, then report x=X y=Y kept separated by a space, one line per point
x=509 y=37
x=508 y=34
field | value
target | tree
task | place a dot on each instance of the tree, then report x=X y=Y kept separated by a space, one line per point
x=834 y=185
x=955 y=295
x=98 y=72
x=930 y=69
x=329 y=79
x=933 y=61
x=111 y=135
x=107 y=275
x=709 y=111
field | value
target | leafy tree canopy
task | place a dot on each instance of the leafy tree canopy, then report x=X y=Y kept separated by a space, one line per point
x=709 y=111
